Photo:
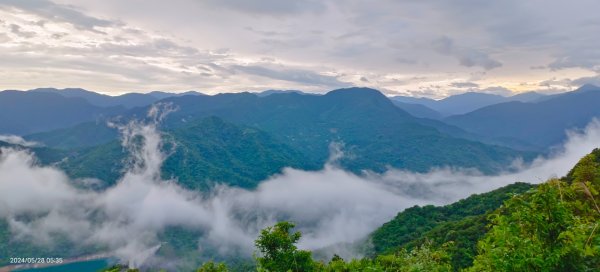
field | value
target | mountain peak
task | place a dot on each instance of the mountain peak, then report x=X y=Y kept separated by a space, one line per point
x=362 y=91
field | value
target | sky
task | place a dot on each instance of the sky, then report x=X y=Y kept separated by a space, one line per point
x=418 y=48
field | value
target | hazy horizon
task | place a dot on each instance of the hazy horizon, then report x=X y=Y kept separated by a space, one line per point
x=114 y=94
x=422 y=49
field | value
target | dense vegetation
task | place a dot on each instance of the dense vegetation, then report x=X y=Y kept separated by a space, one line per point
x=255 y=137
x=276 y=251
x=201 y=153
x=552 y=227
x=376 y=134
x=462 y=223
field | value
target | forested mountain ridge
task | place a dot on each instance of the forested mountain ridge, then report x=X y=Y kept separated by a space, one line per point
x=201 y=153
x=128 y=100
x=542 y=124
x=549 y=227
x=364 y=120
x=374 y=133
x=556 y=209
x=462 y=222
x=30 y=112
x=467 y=102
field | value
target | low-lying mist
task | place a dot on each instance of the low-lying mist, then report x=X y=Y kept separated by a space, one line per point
x=330 y=206
x=16 y=140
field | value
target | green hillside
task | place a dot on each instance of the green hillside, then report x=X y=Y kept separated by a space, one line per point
x=376 y=134
x=542 y=124
x=549 y=227
x=206 y=151
x=462 y=222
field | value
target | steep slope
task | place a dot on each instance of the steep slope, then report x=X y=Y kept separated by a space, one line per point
x=376 y=133
x=30 y=112
x=462 y=222
x=82 y=135
x=554 y=226
x=500 y=227
x=202 y=152
x=542 y=124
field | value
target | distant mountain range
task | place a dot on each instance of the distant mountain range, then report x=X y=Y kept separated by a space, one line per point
x=461 y=103
x=540 y=123
x=376 y=132
x=129 y=100
x=30 y=112
x=205 y=151
x=270 y=92
x=375 y=135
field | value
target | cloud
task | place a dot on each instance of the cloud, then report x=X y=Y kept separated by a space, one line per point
x=330 y=206
x=4 y=38
x=464 y=85
x=269 y=7
x=585 y=56
x=53 y=11
x=390 y=39
x=17 y=140
x=594 y=80
x=292 y=75
x=466 y=56
x=16 y=29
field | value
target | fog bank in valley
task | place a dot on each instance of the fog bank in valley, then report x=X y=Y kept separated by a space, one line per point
x=329 y=206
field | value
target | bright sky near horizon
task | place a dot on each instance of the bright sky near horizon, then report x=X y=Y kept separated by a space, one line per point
x=420 y=48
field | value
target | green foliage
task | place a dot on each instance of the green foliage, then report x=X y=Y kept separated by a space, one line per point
x=214 y=150
x=461 y=223
x=202 y=152
x=278 y=252
x=422 y=258
x=553 y=228
x=80 y=136
x=213 y=267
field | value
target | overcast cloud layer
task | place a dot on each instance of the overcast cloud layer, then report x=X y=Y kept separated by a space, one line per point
x=330 y=206
x=421 y=48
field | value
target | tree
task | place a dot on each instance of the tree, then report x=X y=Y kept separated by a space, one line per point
x=213 y=267
x=537 y=232
x=278 y=251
